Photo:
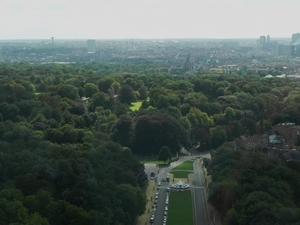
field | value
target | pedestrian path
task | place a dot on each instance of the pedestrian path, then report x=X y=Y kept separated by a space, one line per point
x=214 y=217
x=144 y=219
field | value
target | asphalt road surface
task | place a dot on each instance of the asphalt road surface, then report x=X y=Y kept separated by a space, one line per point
x=198 y=195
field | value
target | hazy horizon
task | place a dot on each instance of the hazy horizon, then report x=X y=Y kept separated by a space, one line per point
x=148 y=19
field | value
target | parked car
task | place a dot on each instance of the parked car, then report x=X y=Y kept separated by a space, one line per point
x=165 y=219
x=152 y=220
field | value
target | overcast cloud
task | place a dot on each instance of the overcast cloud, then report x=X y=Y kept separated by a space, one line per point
x=78 y=19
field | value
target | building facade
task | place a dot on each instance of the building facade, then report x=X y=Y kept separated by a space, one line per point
x=262 y=40
x=295 y=37
x=285 y=50
x=289 y=131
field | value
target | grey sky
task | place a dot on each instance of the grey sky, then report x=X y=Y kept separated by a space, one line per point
x=82 y=19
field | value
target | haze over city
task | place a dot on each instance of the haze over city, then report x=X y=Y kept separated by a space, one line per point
x=117 y=19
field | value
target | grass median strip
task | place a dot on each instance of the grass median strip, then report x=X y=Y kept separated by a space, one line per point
x=180 y=208
x=187 y=165
x=181 y=174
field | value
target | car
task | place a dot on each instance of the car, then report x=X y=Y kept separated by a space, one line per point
x=166 y=208
x=152 y=220
x=159 y=183
x=165 y=218
x=156 y=196
x=168 y=189
x=157 y=193
x=167 y=202
x=165 y=213
x=155 y=201
x=154 y=206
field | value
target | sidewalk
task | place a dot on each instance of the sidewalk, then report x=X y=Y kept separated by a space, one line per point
x=144 y=219
x=214 y=217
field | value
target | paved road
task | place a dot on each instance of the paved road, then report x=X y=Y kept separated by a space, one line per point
x=160 y=173
x=198 y=197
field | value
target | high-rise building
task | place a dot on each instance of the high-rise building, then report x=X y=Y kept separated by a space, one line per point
x=285 y=50
x=262 y=40
x=91 y=45
x=295 y=37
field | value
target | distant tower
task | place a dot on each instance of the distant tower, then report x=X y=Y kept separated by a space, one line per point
x=91 y=45
x=52 y=40
x=262 y=40
x=189 y=63
x=268 y=39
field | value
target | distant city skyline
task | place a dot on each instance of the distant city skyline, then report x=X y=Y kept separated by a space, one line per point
x=150 y=19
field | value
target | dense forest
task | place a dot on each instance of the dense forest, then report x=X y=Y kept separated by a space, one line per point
x=251 y=188
x=70 y=140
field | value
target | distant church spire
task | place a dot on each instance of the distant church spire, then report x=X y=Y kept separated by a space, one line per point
x=189 y=63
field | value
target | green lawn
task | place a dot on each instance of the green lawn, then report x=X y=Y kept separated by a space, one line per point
x=135 y=105
x=180 y=208
x=181 y=174
x=187 y=165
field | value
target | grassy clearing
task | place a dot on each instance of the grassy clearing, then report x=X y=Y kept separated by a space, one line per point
x=181 y=174
x=135 y=105
x=180 y=208
x=187 y=165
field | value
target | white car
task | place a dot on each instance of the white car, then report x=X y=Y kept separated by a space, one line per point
x=165 y=219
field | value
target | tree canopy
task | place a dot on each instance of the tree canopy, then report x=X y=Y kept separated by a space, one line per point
x=67 y=158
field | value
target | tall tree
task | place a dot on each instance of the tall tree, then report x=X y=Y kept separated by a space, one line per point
x=164 y=154
x=126 y=94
